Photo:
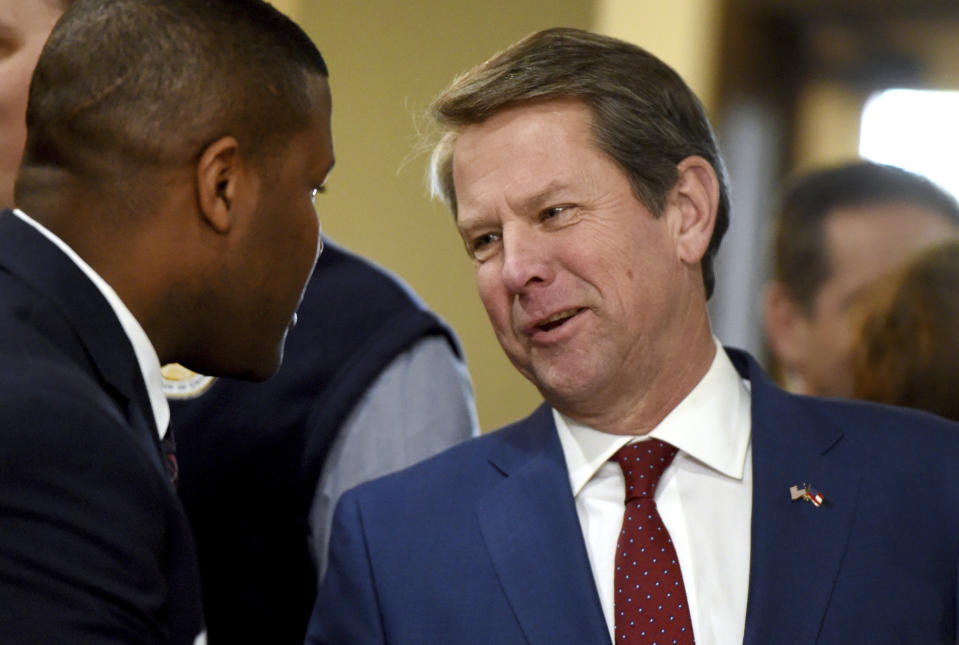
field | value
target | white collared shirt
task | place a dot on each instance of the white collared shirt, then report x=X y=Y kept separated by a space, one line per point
x=146 y=355
x=704 y=498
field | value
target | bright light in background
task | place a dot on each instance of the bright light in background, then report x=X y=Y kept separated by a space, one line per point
x=914 y=129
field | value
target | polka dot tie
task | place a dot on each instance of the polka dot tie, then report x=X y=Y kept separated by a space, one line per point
x=650 y=600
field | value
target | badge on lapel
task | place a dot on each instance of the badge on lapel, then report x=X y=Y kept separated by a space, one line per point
x=808 y=493
x=181 y=383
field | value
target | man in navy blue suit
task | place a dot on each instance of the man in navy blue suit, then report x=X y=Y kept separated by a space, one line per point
x=174 y=150
x=589 y=190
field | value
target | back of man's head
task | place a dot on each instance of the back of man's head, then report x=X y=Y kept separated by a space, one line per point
x=129 y=85
x=176 y=146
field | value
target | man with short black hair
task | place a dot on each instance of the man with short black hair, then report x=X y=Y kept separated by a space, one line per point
x=165 y=214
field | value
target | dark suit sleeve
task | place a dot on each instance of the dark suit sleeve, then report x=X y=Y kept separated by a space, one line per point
x=347 y=609
x=82 y=521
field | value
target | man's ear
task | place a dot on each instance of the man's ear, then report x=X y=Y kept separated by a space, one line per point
x=219 y=172
x=695 y=197
x=787 y=326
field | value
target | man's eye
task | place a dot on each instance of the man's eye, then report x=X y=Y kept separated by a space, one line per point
x=553 y=211
x=318 y=190
x=481 y=243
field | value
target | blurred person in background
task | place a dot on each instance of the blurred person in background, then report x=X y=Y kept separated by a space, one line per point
x=837 y=231
x=905 y=341
x=24 y=27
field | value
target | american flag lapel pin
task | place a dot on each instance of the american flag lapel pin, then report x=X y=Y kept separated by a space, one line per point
x=808 y=493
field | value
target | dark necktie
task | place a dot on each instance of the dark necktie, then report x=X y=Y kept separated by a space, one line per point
x=650 y=599
x=168 y=446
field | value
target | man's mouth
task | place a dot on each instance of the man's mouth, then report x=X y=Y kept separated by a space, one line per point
x=557 y=319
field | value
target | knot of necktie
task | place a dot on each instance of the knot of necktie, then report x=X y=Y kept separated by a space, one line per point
x=643 y=463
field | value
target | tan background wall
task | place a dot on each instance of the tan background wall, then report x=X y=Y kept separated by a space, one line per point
x=685 y=34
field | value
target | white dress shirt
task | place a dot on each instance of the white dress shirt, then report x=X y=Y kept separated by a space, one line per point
x=704 y=498
x=145 y=353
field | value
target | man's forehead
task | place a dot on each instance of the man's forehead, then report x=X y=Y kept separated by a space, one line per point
x=559 y=116
x=321 y=132
x=527 y=151
x=865 y=242
x=318 y=87
x=889 y=229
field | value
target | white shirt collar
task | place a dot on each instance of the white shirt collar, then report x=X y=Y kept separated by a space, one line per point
x=146 y=354
x=706 y=425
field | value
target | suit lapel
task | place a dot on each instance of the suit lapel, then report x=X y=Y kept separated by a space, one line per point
x=797 y=548
x=104 y=348
x=532 y=533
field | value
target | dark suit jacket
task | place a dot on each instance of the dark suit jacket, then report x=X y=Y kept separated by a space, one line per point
x=483 y=545
x=94 y=545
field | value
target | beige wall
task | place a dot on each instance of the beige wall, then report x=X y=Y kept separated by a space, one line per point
x=684 y=33
x=827 y=125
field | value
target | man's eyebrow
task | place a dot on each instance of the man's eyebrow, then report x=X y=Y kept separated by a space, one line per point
x=536 y=199
x=525 y=204
x=476 y=219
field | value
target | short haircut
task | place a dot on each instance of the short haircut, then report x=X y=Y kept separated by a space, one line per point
x=801 y=261
x=645 y=118
x=907 y=350
x=126 y=85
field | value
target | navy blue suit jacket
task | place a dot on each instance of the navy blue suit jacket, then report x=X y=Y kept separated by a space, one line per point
x=483 y=545
x=94 y=545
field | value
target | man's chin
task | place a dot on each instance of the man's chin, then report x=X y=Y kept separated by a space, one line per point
x=249 y=368
x=268 y=367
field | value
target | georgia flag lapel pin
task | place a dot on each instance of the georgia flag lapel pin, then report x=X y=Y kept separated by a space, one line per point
x=808 y=493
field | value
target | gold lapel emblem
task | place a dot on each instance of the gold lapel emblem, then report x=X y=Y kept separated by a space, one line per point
x=180 y=383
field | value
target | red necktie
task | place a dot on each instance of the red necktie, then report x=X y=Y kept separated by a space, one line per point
x=650 y=600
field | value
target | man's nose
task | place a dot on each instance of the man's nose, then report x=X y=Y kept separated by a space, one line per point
x=525 y=259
